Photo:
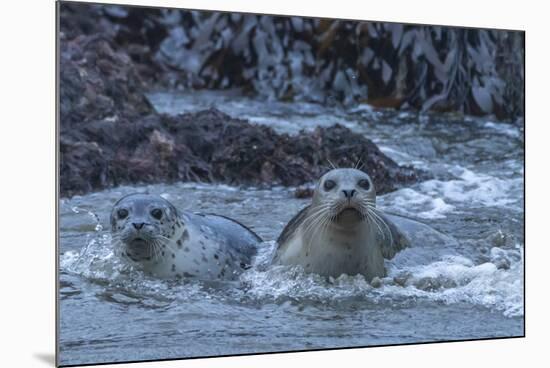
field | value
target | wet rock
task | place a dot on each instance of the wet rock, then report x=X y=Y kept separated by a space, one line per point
x=448 y=283
x=163 y=144
x=376 y=282
x=304 y=192
x=97 y=82
x=501 y=239
x=402 y=278
x=83 y=167
x=210 y=146
x=502 y=258
x=434 y=283
x=502 y=263
x=427 y=284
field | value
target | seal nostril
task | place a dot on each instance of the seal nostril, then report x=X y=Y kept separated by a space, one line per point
x=138 y=226
x=348 y=193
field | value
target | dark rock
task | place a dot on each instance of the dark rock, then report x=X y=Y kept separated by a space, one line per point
x=83 y=167
x=98 y=82
x=428 y=284
x=304 y=192
x=434 y=283
x=376 y=282
x=502 y=263
x=210 y=146
x=501 y=239
x=402 y=278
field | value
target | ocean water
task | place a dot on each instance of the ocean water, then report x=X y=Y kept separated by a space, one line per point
x=110 y=311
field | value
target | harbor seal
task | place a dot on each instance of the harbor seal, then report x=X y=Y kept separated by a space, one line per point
x=341 y=231
x=149 y=231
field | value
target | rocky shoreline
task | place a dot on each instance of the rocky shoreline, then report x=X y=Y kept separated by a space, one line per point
x=110 y=135
x=328 y=61
x=210 y=146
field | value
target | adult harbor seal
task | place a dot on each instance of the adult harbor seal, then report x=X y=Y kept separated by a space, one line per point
x=147 y=230
x=341 y=231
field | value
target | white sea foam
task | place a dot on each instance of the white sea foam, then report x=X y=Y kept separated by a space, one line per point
x=363 y=107
x=299 y=122
x=434 y=199
x=456 y=279
x=419 y=204
x=503 y=128
x=402 y=158
x=482 y=284
x=475 y=188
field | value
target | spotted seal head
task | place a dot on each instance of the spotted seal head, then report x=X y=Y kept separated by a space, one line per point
x=145 y=225
x=148 y=231
x=341 y=231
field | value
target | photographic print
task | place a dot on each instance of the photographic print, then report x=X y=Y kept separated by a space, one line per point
x=234 y=183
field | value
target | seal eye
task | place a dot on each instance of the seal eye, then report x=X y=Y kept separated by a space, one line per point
x=329 y=184
x=364 y=184
x=156 y=213
x=122 y=213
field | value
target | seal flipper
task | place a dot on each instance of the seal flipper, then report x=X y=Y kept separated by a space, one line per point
x=292 y=226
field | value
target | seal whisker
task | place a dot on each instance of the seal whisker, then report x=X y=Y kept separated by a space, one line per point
x=331 y=164
x=373 y=220
x=155 y=249
x=319 y=231
x=158 y=248
x=325 y=224
x=314 y=222
x=166 y=242
x=319 y=209
x=373 y=211
x=150 y=249
x=316 y=210
x=358 y=164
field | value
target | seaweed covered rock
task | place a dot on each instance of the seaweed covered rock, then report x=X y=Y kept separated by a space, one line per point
x=475 y=71
x=98 y=82
x=210 y=146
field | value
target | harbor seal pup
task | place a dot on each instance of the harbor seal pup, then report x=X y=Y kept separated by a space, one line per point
x=341 y=231
x=149 y=231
